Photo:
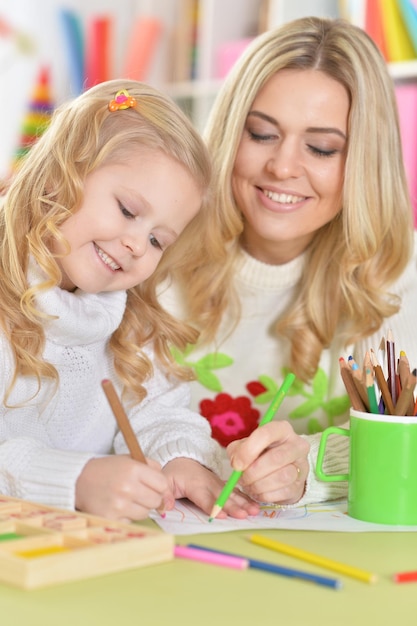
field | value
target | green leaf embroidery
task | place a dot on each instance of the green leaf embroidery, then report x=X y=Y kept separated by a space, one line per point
x=203 y=367
x=214 y=361
x=314 y=426
x=306 y=408
x=264 y=398
x=320 y=383
x=209 y=380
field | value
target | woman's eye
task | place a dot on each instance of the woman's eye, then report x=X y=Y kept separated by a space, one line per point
x=320 y=152
x=261 y=137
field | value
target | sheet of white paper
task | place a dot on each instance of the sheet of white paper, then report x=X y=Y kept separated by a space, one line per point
x=187 y=519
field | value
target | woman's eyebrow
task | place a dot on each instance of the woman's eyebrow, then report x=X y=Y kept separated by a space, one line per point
x=329 y=130
x=263 y=116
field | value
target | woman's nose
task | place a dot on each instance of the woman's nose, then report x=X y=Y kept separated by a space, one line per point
x=285 y=161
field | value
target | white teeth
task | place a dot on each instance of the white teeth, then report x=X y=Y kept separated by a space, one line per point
x=283 y=198
x=106 y=259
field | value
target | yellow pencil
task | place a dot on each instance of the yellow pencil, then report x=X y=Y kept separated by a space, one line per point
x=315 y=559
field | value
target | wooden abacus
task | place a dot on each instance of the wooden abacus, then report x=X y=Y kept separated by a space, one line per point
x=42 y=545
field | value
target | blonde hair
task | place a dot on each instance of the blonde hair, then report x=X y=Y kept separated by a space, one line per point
x=354 y=259
x=48 y=188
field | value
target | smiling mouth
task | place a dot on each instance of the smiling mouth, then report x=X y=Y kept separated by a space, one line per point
x=107 y=260
x=282 y=198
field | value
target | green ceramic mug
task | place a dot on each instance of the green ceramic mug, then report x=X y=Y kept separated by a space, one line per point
x=382 y=467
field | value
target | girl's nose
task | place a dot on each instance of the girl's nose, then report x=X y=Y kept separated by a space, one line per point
x=136 y=244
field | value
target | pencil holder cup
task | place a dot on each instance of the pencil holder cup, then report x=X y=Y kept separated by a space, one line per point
x=382 y=478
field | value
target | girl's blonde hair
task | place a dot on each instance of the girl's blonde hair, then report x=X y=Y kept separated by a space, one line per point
x=354 y=259
x=48 y=188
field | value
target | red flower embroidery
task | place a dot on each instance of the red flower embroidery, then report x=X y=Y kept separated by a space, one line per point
x=230 y=418
x=255 y=388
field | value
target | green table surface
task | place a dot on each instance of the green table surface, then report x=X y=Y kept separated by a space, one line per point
x=184 y=592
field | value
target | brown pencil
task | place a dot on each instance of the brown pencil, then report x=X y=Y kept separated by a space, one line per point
x=403 y=368
x=403 y=374
x=405 y=403
x=353 y=393
x=358 y=378
x=123 y=421
x=392 y=379
x=382 y=384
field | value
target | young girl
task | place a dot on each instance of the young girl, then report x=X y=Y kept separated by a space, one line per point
x=310 y=255
x=102 y=196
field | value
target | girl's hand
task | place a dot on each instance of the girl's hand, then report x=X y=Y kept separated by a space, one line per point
x=274 y=463
x=189 y=479
x=117 y=487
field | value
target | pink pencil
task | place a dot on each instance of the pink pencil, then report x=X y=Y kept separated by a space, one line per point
x=215 y=558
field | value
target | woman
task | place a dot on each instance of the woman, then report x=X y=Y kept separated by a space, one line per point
x=309 y=255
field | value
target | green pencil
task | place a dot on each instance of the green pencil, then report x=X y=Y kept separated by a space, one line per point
x=236 y=474
x=369 y=382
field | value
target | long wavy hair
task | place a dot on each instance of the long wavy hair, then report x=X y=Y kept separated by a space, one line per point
x=48 y=188
x=352 y=260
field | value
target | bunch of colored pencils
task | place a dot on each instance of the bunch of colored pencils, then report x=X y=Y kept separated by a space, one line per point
x=373 y=391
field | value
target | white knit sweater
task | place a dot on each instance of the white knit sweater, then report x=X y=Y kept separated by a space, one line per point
x=47 y=438
x=238 y=375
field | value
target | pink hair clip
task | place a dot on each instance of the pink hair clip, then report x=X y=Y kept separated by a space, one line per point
x=121 y=101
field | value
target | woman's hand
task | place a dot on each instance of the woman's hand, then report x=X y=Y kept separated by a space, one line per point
x=274 y=463
x=189 y=479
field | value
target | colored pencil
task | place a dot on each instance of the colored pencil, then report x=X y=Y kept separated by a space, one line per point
x=403 y=374
x=125 y=426
x=354 y=397
x=370 y=388
x=382 y=384
x=282 y=571
x=236 y=474
x=382 y=348
x=405 y=577
x=405 y=403
x=208 y=556
x=123 y=422
x=392 y=379
x=358 y=380
x=315 y=559
x=403 y=368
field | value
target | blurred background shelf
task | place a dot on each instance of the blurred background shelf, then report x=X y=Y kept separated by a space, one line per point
x=185 y=47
